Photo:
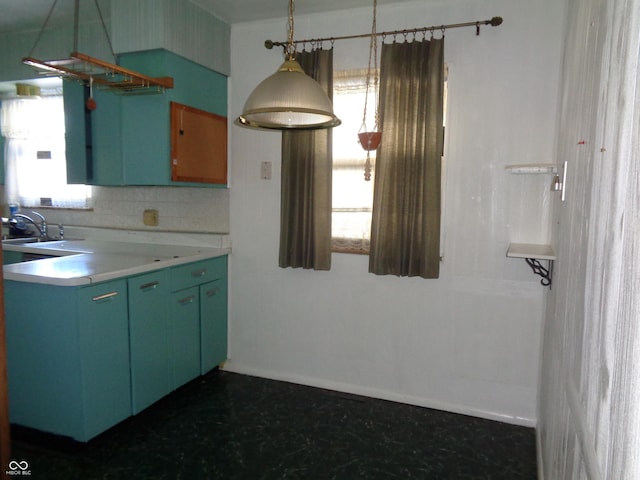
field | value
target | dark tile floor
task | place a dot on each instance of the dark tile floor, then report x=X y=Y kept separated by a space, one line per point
x=230 y=426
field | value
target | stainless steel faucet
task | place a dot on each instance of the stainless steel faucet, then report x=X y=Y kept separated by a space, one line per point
x=42 y=227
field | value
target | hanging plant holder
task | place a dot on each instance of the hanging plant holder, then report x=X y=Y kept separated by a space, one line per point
x=370 y=140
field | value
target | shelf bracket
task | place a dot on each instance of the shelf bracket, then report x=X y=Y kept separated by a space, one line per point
x=538 y=269
x=533 y=254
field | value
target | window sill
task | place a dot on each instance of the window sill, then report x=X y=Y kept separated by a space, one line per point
x=346 y=250
x=356 y=246
x=60 y=209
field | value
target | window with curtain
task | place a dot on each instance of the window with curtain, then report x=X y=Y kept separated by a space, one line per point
x=352 y=196
x=405 y=226
x=406 y=206
x=35 y=164
x=305 y=197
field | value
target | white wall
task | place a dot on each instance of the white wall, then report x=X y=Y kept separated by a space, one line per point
x=468 y=342
x=589 y=421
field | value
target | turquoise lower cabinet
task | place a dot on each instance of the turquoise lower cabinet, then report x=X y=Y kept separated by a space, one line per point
x=213 y=324
x=209 y=277
x=9 y=257
x=104 y=355
x=149 y=338
x=185 y=336
x=68 y=357
x=82 y=359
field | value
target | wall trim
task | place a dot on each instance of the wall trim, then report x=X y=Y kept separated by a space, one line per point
x=539 y=455
x=229 y=366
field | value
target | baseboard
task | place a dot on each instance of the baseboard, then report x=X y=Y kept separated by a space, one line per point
x=230 y=366
x=539 y=456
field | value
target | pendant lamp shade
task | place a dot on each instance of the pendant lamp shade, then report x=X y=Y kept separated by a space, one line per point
x=289 y=99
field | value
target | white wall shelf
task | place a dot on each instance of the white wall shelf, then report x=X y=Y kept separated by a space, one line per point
x=533 y=168
x=531 y=250
x=532 y=254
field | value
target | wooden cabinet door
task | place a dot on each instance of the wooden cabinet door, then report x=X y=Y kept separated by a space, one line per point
x=198 y=145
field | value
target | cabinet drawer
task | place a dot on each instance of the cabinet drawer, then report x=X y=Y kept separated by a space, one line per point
x=197 y=273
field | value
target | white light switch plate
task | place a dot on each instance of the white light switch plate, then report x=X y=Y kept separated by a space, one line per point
x=265 y=170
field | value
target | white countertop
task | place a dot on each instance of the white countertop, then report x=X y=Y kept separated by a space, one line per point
x=82 y=262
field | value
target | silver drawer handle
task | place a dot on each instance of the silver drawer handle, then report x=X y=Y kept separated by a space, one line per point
x=199 y=273
x=184 y=301
x=106 y=296
x=150 y=285
x=212 y=292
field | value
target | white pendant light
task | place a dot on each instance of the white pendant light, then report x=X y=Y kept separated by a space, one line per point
x=289 y=99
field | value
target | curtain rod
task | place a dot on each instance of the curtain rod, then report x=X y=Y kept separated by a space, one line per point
x=494 y=22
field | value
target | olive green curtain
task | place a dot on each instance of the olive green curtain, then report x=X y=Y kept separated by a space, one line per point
x=305 y=209
x=405 y=228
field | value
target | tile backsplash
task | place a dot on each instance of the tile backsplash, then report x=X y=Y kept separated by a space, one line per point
x=180 y=209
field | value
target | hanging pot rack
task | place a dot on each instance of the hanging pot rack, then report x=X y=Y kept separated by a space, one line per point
x=494 y=22
x=92 y=70
x=112 y=77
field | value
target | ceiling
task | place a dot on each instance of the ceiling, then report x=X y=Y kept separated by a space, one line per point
x=30 y=14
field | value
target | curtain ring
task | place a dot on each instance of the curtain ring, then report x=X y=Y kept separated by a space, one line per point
x=431 y=32
x=442 y=28
x=405 y=33
x=333 y=42
x=477 y=28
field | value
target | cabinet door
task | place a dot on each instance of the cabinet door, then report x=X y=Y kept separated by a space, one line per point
x=213 y=324
x=9 y=257
x=149 y=338
x=45 y=384
x=198 y=145
x=93 y=137
x=77 y=143
x=103 y=333
x=185 y=336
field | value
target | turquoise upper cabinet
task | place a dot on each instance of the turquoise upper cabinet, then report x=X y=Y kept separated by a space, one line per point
x=93 y=138
x=126 y=140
